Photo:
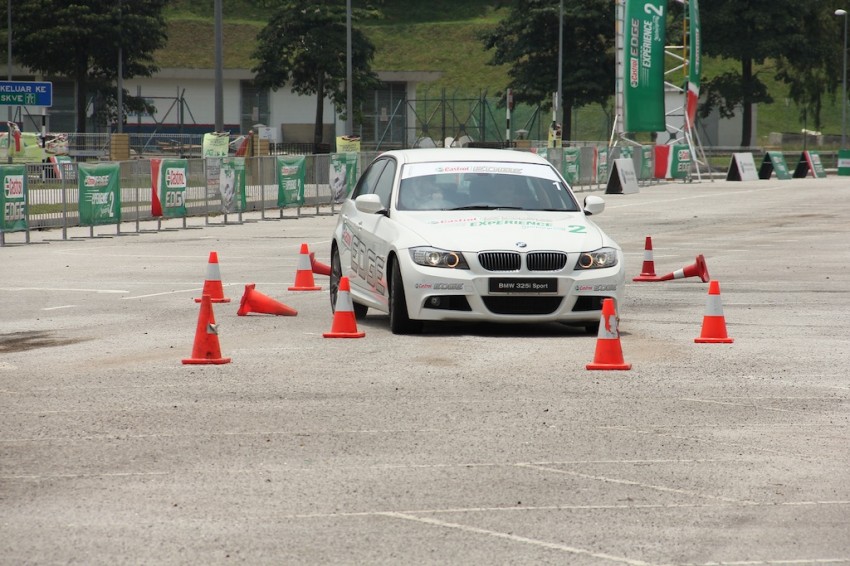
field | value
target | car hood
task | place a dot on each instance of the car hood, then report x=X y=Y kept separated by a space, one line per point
x=502 y=229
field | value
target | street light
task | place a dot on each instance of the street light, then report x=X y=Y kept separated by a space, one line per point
x=843 y=13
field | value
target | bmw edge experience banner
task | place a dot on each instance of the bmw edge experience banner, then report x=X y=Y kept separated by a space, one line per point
x=168 y=190
x=695 y=63
x=13 y=199
x=291 y=173
x=643 y=90
x=100 y=193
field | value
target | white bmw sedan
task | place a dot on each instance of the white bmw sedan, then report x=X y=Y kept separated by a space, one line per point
x=465 y=234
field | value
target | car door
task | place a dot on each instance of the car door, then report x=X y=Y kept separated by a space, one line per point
x=356 y=260
x=376 y=234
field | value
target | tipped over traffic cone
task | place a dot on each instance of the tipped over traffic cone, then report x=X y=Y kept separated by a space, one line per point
x=345 y=323
x=254 y=301
x=304 y=274
x=206 y=349
x=696 y=269
x=212 y=284
x=608 y=354
x=714 y=323
x=319 y=268
x=647 y=272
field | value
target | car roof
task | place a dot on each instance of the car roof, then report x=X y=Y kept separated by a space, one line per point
x=428 y=155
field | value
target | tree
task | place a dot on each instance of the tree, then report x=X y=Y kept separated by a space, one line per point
x=809 y=66
x=527 y=40
x=81 y=41
x=304 y=47
x=750 y=33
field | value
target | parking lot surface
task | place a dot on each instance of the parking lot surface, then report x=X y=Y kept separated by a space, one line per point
x=470 y=444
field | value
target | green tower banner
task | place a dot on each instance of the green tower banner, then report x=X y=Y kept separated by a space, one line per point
x=694 y=63
x=343 y=175
x=291 y=174
x=571 y=164
x=643 y=85
x=100 y=193
x=13 y=198
x=232 y=184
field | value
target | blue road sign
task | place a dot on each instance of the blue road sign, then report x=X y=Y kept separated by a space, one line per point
x=26 y=93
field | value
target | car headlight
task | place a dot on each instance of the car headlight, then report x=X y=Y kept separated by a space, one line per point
x=433 y=257
x=599 y=259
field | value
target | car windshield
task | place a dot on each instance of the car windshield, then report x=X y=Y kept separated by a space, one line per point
x=477 y=187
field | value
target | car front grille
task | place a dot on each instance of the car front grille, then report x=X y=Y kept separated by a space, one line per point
x=512 y=261
x=500 y=261
x=546 y=261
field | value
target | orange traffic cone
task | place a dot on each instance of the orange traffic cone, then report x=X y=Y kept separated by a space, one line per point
x=608 y=354
x=647 y=272
x=254 y=301
x=696 y=269
x=319 y=268
x=206 y=349
x=212 y=285
x=304 y=274
x=344 y=324
x=713 y=323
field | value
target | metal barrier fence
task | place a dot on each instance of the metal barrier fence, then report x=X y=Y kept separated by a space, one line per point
x=53 y=193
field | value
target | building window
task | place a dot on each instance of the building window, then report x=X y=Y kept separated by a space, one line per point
x=255 y=106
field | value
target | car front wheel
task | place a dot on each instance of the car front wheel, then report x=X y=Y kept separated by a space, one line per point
x=400 y=322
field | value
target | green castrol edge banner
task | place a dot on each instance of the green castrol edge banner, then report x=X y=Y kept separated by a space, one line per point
x=643 y=90
x=13 y=199
x=291 y=175
x=100 y=193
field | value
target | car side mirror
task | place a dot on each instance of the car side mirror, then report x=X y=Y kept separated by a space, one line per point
x=593 y=205
x=369 y=204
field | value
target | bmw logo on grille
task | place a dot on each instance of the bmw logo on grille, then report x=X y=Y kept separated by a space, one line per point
x=521 y=244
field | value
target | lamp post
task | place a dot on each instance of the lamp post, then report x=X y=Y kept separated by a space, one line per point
x=843 y=13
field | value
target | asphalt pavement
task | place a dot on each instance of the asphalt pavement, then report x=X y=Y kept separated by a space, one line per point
x=470 y=444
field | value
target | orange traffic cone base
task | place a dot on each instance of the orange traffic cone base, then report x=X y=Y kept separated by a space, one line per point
x=643 y=277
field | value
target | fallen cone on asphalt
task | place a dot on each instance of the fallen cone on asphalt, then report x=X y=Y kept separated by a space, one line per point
x=319 y=268
x=254 y=301
x=696 y=269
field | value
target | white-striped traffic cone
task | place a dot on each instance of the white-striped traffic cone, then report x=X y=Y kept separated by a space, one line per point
x=647 y=272
x=713 y=323
x=212 y=285
x=608 y=354
x=304 y=274
x=345 y=323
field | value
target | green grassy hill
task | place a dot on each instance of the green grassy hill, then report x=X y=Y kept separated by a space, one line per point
x=432 y=35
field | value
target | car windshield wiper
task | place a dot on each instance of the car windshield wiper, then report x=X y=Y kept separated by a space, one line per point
x=486 y=207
